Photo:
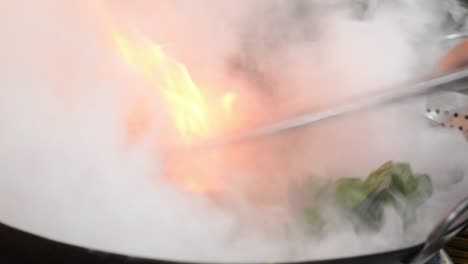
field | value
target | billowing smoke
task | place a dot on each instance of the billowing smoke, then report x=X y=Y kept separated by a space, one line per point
x=67 y=173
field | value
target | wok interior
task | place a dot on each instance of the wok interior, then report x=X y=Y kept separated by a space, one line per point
x=273 y=175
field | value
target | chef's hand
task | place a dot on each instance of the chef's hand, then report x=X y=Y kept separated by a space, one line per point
x=456 y=58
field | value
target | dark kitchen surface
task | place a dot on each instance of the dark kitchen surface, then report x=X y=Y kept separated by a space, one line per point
x=457 y=248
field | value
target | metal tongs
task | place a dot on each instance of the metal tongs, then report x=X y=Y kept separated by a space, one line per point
x=450 y=81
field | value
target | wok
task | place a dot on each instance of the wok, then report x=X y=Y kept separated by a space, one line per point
x=18 y=246
x=22 y=247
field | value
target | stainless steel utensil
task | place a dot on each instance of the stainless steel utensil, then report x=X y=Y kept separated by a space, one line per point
x=446 y=82
x=449 y=110
x=453 y=36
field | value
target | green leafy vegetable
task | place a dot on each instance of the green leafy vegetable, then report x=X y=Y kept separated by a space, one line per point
x=363 y=202
x=351 y=192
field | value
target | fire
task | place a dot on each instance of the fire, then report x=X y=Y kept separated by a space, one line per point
x=196 y=115
x=228 y=100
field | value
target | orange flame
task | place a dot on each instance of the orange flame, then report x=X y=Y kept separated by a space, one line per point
x=195 y=114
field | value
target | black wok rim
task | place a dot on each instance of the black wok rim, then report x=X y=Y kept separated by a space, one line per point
x=78 y=249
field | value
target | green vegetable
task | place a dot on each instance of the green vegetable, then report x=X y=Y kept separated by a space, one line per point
x=363 y=202
x=351 y=192
x=423 y=190
x=403 y=178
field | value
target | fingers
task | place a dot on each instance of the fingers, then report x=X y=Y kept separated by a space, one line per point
x=456 y=58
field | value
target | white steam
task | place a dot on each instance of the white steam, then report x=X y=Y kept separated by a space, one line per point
x=64 y=170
